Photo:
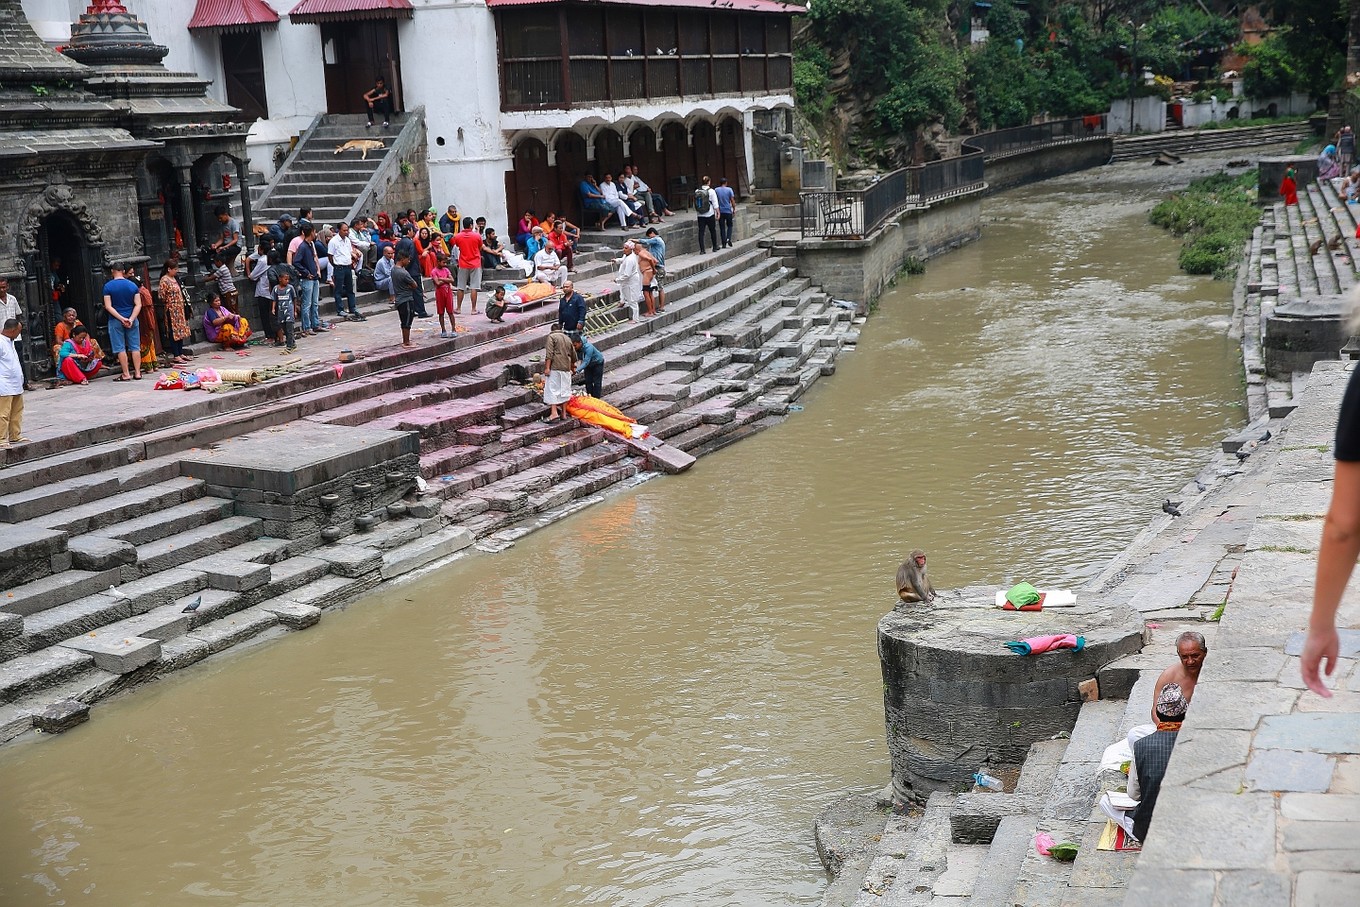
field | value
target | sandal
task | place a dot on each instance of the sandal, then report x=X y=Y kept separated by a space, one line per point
x=136 y=377
x=123 y=378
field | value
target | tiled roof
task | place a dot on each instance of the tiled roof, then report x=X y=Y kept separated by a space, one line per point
x=329 y=10
x=232 y=15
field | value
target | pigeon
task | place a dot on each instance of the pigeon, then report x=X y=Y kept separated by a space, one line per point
x=193 y=605
x=1246 y=450
x=1168 y=507
x=116 y=594
x=1200 y=485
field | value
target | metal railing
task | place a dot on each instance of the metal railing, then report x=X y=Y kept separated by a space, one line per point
x=856 y=213
x=1054 y=132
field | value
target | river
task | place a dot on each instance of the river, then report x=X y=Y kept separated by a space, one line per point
x=647 y=703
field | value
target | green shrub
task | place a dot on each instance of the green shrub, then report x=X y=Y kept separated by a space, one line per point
x=1217 y=215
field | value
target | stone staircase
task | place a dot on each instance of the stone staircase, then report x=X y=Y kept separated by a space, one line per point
x=106 y=545
x=314 y=175
x=1308 y=251
x=1199 y=141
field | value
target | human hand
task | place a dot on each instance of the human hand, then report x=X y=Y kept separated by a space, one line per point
x=1321 y=645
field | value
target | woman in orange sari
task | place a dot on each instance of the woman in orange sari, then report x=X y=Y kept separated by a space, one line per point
x=172 y=297
x=223 y=326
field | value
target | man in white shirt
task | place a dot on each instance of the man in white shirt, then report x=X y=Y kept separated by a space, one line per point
x=11 y=387
x=548 y=267
x=344 y=256
x=9 y=308
x=615 y=201
x=636 y=188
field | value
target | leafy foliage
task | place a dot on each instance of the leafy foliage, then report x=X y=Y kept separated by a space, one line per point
x=812 y=81
x=1217 y=215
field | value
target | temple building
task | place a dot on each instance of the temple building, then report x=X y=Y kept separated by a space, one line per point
x=521 y=98
x=107 y=156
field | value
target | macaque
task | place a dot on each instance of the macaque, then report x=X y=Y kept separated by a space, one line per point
x=913 y=585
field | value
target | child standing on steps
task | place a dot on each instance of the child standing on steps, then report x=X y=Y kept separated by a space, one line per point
x=284 y=308
x=443 y=293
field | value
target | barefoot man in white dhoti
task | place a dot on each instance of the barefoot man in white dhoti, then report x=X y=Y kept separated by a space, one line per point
x=560 y=360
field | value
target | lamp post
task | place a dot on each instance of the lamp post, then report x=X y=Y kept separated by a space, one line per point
x=1133 y=71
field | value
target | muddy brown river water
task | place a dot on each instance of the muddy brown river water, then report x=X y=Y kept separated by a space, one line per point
x=647 y=703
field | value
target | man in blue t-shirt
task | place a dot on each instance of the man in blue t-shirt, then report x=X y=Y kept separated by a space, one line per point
x=727 y=206
x=124 y=304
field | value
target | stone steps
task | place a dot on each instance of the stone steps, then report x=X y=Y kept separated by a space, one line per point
x=162 y=544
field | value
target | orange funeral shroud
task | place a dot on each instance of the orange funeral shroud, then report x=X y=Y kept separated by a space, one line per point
x=597 y=412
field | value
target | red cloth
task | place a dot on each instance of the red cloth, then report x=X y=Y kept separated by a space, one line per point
x=1289 y=190
x=71 y=372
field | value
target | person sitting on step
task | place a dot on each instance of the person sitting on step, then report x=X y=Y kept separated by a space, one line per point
x=223 y=326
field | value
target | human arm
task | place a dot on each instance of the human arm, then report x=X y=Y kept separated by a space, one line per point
x=1162 y=680
x=1336 y=560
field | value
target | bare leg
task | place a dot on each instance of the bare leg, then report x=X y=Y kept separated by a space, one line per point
x=473 y=294
x=457 y=306
x=123 y=363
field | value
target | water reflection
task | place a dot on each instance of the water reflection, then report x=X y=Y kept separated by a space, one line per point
x=646 y=704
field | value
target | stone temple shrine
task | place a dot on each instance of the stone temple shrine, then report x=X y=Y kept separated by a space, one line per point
x=105 y=156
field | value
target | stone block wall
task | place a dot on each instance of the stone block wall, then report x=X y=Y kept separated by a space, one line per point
x=860 y=269
x=1009 y=171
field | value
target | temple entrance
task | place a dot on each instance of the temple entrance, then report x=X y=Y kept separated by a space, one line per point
x=355 y=54
x=571 y=169
x=67 y=273
x=535 y=188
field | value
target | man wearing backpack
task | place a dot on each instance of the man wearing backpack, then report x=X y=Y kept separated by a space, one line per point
x=706 y=206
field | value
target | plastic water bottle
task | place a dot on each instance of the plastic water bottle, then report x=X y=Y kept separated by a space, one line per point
x=986 y=781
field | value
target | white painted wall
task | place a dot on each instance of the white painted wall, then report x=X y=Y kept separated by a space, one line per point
x=1149 y=115
x=469 y=168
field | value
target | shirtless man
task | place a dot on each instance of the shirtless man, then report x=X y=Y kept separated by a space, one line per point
x=1190 y=649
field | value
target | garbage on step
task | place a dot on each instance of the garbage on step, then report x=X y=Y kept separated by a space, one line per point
x=986 y=781
x=1038 y=645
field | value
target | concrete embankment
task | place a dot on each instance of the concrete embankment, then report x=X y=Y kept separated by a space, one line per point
x=146 y=552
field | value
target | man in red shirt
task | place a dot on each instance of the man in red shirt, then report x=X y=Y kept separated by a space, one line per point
x=469 y=244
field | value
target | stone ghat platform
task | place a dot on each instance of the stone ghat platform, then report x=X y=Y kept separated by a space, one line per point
x=956 y=698
x=258 y=509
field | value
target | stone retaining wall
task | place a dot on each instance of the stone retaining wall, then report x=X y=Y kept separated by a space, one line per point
x=1032 y=165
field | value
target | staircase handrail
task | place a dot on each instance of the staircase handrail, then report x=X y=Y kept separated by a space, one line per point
x=288 y=161
x=390 y=167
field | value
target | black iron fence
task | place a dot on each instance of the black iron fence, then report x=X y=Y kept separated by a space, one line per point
x=856 y=213
x=1055 y=132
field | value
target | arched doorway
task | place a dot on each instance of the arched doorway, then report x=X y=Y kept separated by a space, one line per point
x=647 y=161
x=734 y=155
x=571 y=169
x=608 y=152
x=535 y=188
x=66 y=272
x=707 y=160
x=679 y=164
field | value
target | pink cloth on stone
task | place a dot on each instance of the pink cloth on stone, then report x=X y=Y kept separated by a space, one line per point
x=1040 y=644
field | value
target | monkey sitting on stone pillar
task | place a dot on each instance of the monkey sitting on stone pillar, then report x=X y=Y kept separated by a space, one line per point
x=913 y=585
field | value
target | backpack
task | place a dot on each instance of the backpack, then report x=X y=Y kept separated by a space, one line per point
x=702 y=203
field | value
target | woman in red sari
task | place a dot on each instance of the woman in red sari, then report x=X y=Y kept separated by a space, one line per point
x=1288 y=188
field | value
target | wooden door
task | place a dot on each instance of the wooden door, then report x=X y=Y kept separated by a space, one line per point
x=355 y=54
x=678 y=160
x=707 y=161
x=646 y=160
x=243 y=74
x=608 y=153
x=734 y=156
x=535 y=188
x=571 y=169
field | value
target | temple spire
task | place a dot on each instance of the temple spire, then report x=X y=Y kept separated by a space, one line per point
x=106 y=34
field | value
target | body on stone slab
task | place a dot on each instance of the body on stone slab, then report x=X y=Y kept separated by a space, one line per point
x=913 y=584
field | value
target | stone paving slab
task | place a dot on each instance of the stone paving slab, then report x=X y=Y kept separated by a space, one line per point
x=1265 y=777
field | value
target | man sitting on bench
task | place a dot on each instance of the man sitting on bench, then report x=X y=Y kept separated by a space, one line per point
x=593 y=201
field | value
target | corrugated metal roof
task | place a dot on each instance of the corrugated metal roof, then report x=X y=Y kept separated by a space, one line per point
x=743 y=6
x=232 y=15
x=329 y=10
